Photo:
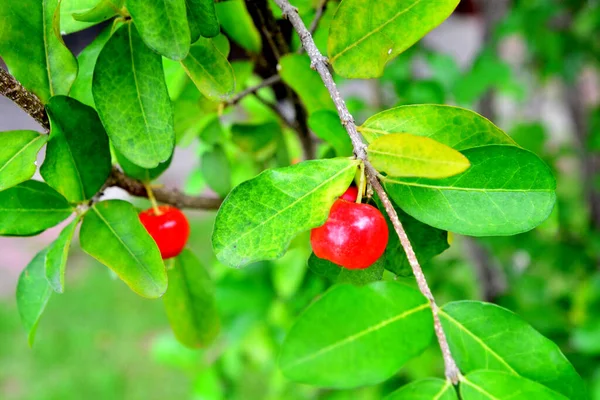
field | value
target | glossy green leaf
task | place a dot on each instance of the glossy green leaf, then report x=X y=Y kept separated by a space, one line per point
x=34 y=54
x=112 y=233
x=190 y=302
x=403 y=154
x=76 y=168
x=82 y=87
x=216 y=170
x=455 y=127
x=506 y=191
x=486 y=336
x=238 y=25
x=494 y=385
x=296 y=72
x=202 y=17
x=162 y=25
x=103 y=10
x=360 y=47
x=209 y=70
x=261 y=216
x=132 y=99
x=386 y=320
x=33 y=293
x=258 y=139
x=327 y=125
x=139 y=173
x=18 y=154
x=68 y=24
x=30 y=208
x=57 y=255
x=425 y=389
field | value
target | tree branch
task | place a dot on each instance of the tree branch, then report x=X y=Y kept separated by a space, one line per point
x=32 y=105
x=29 y=102
x=319 y=62
x=253 y=89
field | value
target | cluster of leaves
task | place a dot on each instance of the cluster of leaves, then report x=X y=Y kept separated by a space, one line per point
x=155 y=79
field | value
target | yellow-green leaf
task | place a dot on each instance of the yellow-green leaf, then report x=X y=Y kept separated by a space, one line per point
x=403 y=154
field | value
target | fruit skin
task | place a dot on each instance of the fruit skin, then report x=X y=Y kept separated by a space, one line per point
x=350 y=194
x=169 y=228
x=354 y=235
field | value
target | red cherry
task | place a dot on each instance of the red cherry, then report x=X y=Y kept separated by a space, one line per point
x=354 y=236
x=169 y=228
x=351 y=194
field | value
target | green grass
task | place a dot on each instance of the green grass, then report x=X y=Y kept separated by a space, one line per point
x=93 y=342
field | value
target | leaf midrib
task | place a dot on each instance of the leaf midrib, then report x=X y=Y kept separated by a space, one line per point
x=21 y=151
x=429 y=160
x=374 y=31
x=478 y=340
x=352 y=338
x=144 y=267
x=463 y=189
x=479 y=389
x=231 y=244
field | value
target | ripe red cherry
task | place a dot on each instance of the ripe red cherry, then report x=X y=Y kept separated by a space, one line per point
x=168 y=227
x=354 y=236
x=351 y=194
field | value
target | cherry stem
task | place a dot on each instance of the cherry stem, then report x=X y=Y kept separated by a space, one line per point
x=320 y=64
x=362 y=184
x=152 y=199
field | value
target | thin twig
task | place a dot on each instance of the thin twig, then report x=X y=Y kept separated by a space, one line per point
x=253 y=89
x=32 y=105
x=163 y=195
x=318 y=15
x=319 y=62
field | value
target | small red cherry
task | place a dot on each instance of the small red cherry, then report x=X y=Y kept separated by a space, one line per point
x=354 y=235
x=168 y=227
x=351 y=194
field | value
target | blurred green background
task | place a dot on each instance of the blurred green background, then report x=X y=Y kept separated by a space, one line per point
x=531 y=66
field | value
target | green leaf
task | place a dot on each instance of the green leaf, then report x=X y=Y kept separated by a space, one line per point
x=113 y=234
x=455 y=127
x=494 y=385
x=18 y=154
x=33 y=293
x=288 y=272
x=132 y=99
x=56 y=257
x=296 y=72
x=216 y=170
x=190 y=302
x=427 y=242
x=238 y=25
x=390 y=322
x=33 y=52
x=76 y=168
x=403 y=154
x=258 y=139
x=82 y=87
x=103 y=10
x=202 y=17
x=68 y=24
x=486 y=336
x=209 y=70
x=327 y=126
x=425 y=389
x=363 y=276
x=506 y=191
x=30 y=208
x=139 y=173
x=365 y=36
x=163 y=26
x=261 y=216
x=324 y=268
